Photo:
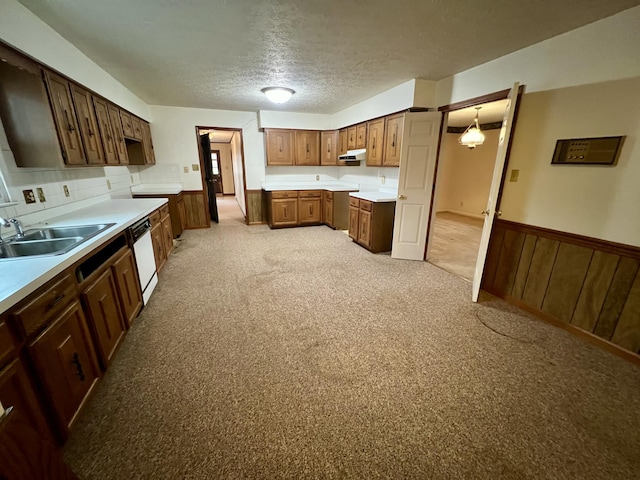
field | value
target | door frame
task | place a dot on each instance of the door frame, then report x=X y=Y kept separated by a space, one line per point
x=202 y=171
x=472 y=102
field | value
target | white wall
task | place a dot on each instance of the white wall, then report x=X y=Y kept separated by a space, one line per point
x=236 y=158
x=597 y=201
x=464 y=175
x=175 y=141
x=226 y=167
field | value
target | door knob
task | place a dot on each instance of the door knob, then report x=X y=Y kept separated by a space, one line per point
x=402 y=197
x=498 y=213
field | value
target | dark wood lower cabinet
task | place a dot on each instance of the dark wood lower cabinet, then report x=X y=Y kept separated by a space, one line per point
x=126 y=276
x=104 y=316
x=66 y=364
x=371 y=224
x=17 y=391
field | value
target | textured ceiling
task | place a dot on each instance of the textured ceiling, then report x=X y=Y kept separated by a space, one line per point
x=334 y=53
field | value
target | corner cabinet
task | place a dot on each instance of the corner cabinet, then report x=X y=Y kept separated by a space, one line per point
x=371 y=224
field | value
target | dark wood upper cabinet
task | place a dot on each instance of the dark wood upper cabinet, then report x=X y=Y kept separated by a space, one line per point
x=351 y=138
x=280 y=149
x=393 y=140
x=375 y=142
x=307 y=147
x=361 y=135
x=147 y=144
x=65 y=119
x=127 y=126
x=329 y=147
x=342 y=142
x=137 y=127
x=88 y=124
x=106 y=131
x=118 y=135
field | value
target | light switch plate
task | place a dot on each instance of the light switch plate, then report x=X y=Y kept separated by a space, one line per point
x=41 y=196
x=195 y=167
x=29 y=197
x=186 y=169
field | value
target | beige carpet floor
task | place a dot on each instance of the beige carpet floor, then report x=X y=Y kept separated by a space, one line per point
x=295 y=353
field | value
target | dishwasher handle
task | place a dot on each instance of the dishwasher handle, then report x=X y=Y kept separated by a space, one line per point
x=140 y=228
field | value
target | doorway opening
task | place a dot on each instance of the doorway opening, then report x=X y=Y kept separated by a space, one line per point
x=222 y=168
x=462 y=186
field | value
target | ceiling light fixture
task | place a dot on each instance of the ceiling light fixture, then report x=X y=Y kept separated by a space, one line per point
x=278 y=94
x=472 y=136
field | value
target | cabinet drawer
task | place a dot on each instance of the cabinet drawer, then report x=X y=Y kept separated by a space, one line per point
x=46 y=305
x=309 y=193
x=155 y=218
x=164 y=210
x=328 y=195
x=284 y=194
x=6 y=342
x=366 y=205
x=354 y=202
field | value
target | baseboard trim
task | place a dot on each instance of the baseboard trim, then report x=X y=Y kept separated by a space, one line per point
x=464 y=214
x=576 y=331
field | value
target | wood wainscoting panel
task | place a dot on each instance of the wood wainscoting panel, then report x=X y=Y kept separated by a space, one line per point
x=544 y=256
x=256 y=211
x=589 y=286
x=616 y=297
x=195 y=209
x=594 y=291
x=565 y=283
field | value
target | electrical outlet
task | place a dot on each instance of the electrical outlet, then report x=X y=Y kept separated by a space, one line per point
x=514 y=175
x=317 y=177
x=109 y=184
x=65 y=189
x=195 y=167
x=29 y=197
x=41 y=196
x=186 y=169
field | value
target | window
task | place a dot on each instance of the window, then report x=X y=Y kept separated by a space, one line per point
x=214 y=164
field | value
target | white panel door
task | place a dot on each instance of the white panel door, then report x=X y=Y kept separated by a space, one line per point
x=490 y=212
x=415 y=184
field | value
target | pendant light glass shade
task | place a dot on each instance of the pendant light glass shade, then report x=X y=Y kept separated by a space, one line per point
x=472 y=136
x=278 y=94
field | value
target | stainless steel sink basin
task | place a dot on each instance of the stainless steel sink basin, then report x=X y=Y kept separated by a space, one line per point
x=85 y=231
x=38 y=247
x=50 y=240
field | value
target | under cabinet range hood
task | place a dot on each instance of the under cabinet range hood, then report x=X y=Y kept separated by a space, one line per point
x=353 y=157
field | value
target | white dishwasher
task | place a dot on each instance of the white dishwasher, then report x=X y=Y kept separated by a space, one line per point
x=145 y=259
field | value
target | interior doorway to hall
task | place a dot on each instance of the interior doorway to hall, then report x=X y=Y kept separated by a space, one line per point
x=221 y=153
x=463 y=182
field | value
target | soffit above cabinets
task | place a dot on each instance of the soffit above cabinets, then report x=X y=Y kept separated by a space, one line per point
x=489 y=113
x=220 y=53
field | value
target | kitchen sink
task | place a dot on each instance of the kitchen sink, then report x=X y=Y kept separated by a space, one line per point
x=84 y=231
x=38 y=247
x=49 y=240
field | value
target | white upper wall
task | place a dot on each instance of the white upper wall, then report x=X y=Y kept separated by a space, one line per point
x=601 y=51
x=23 y=30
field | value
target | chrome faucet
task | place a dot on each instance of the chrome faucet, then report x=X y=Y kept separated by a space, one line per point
x=16 y=223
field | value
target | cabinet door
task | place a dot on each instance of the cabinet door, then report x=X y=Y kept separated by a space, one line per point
x=126 y=276
x=328 y=212
x=88 y=124
x=284 y=212
x=105 y=316
x=352 y=133
x=342 y=142
x=136 y=124
x=393 y=140
x=329 y=147
x=167 y=235
x=182 y=211
x=279 y=146
x=127 y=126
x=106 y=131
x=307 y=147
x=147 y=144
x=65 y=119
x=17 y=391
x=157 y=238
x=364 y=228
x=361 y=135
x=354 y=222
x=375 y=138
x=118 y=135
x=309 y=210
x=66 y=364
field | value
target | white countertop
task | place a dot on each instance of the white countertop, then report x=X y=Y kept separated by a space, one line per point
x=21 y=276
x=157 y=189
x=318 y=185
x=375 y=196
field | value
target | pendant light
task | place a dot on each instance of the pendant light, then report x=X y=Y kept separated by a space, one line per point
x=472 y=136
x=278 y=94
